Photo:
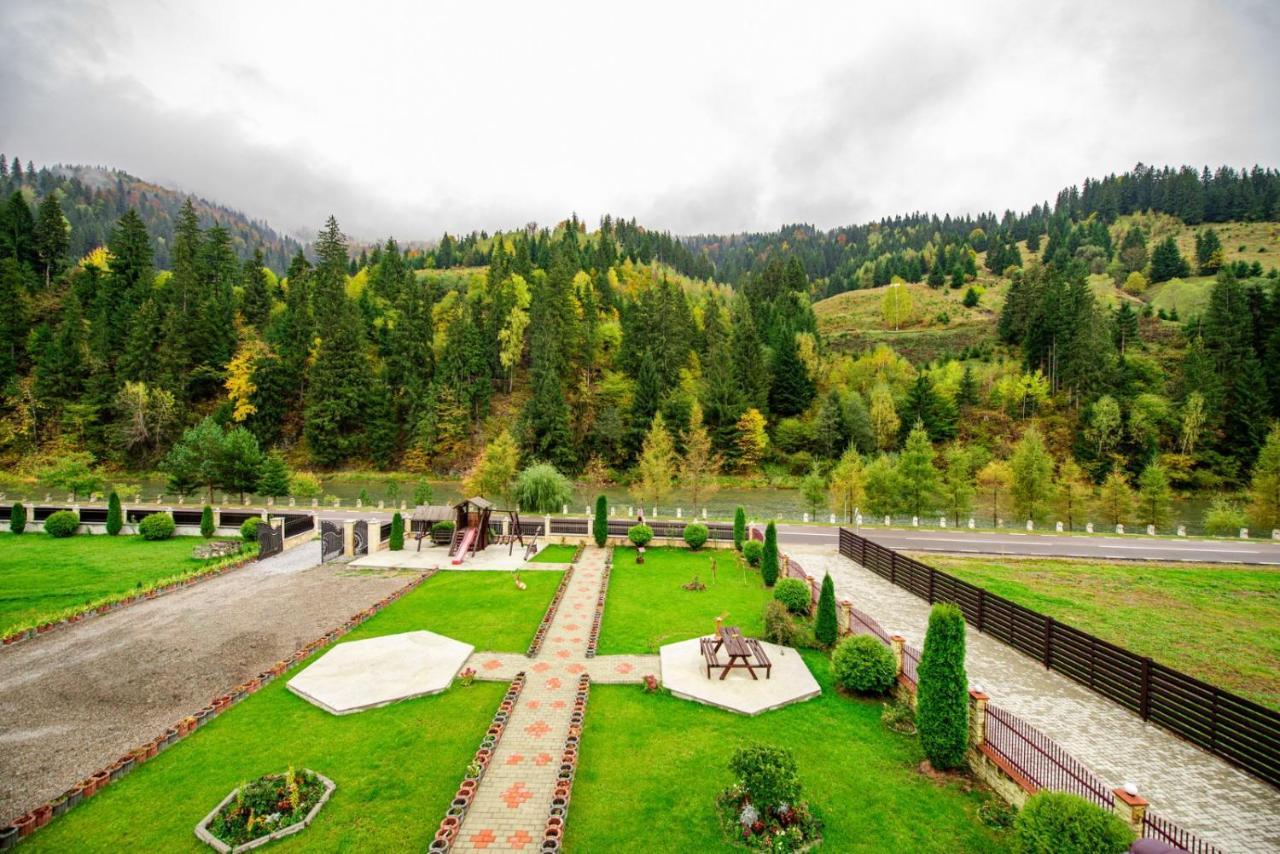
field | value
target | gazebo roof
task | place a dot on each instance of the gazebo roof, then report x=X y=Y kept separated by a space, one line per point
x=432 y=513
x=477 y=501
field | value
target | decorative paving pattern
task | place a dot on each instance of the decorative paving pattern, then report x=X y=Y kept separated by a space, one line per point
x=523 y=796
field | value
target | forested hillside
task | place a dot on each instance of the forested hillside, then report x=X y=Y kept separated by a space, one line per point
x=1110 y=350
x=93 y=198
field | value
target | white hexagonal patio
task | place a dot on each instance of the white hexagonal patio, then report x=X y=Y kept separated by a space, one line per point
x=365 y=674
x=684 y=673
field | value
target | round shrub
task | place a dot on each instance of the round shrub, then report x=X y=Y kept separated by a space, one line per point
x=753 y=551
x=157 y=526
x=793 y=593
x=62 y=524
x=863 y=665
x=695 y=535
x=249 y=529
x=1059 y=823
x=1223 y=519
x=640 y=535
x=779 y=628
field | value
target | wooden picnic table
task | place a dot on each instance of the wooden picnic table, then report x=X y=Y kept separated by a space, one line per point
x=737 y=648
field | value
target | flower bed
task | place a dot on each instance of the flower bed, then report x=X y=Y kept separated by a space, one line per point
x=536 y=644
x=271 y=807
x=558 y=813
x=594 y=637
x=452 y=821
x=763 y=809
x=41 y=815
x=121 y=600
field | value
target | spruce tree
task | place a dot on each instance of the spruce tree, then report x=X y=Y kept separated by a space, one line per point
x=792 y=390
x=769 y=562
x=273 y=478
x=51 y=236
x=916 y=475
x=600 y=524
x=826 y=626
x=115 y=518
x=255 y=298
x=1167 y=262
x=926 y=407
x=1247 y=410
x=942 y=692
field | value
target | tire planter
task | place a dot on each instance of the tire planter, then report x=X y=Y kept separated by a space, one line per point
x=203 y=834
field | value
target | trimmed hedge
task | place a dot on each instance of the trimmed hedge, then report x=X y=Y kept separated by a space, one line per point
x=769 y=563
x=157 y=526
x=1060 y=823
x=115 y=516
x=600 y=525
x=753 y=551
x=640 y=535
x=249 y=529
x=863 y=665
x=61 y=524
x=17 y=518
x=397 y=533
x=695 y=535
x=793 y=593
x=206 y=522
x=942 y=691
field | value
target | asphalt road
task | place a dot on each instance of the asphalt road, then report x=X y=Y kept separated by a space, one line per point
x=1042 y=545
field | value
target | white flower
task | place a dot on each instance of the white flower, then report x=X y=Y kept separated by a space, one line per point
x=748 y=816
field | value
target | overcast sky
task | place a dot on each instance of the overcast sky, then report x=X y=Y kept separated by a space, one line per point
x=410 y=118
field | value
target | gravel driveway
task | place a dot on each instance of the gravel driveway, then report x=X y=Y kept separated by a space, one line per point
x=77 y=698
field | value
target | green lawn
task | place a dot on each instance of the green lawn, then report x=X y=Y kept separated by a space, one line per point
x=558 y=553
x=1216 y=622
x=647 y=606
x=396 y=767
x=651 y=766
x=40 y=576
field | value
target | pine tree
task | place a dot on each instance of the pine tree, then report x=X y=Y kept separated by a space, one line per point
x=1208 y=252
x=1032 y=468
x=826 y=626
x=917 y=477
x=1126 y=328
x=334 y=426
x=749 y=360
x=1247 y=410
x=967 y=392
x=256 y=299
x=13 y=321
x=115 y=518
x=656 y=468
x=600 y=524
x=1167 y=262
x=942 y=691
x=51 y=235
x=925 y=406
x=769 y=561
x=792 y=389
x=273 y=478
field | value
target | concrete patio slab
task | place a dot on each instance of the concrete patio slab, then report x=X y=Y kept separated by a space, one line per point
x=360 y=675
x=684 y=673
x=437 y=557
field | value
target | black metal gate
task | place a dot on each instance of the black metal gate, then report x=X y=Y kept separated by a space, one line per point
x=362 y=537
x=270 y=540
x=330 y=540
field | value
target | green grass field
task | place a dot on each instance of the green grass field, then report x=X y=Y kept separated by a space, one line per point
x=652 y=765
x=41 y=577
x=1189 y=297
x=396 y=768
x=557 y=553
x=1217 y=623
x=647 y=606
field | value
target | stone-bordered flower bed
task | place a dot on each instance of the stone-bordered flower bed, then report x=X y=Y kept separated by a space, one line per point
x=540 y=635
x=271 y=807
x=594 y=637
x=121 y=600
x=558 y=814
x=26 y=824
x=452 y=821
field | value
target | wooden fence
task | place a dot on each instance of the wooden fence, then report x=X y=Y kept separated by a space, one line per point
x=1238 y=730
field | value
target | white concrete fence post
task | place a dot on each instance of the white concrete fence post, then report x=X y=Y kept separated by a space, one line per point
x=1059 y=527
x=1088 y=527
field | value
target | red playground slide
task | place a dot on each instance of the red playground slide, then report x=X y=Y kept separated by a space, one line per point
x=464 y=546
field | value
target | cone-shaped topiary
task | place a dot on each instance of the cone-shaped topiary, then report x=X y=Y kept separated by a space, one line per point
x=943 y=689
x=17 y=518
x=739 y=527
x=826 y=628
x=600 y=525
x=769 y=565
x=115 y=519
x=397 y=533
x=206 y=522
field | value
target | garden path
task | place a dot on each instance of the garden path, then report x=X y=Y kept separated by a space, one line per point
x=1183 y=783
x=511 y=805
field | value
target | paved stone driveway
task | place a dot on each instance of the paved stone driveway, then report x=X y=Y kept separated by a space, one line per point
x=510 y=808
x=1183 y=783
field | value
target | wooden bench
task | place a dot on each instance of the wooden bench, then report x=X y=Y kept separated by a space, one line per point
x=761 y=658
x=708 y=647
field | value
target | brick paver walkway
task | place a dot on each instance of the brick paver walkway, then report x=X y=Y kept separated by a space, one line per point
x=1202 y=793
x=510 y=809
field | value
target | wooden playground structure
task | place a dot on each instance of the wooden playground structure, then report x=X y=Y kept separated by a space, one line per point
x=473 y=526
